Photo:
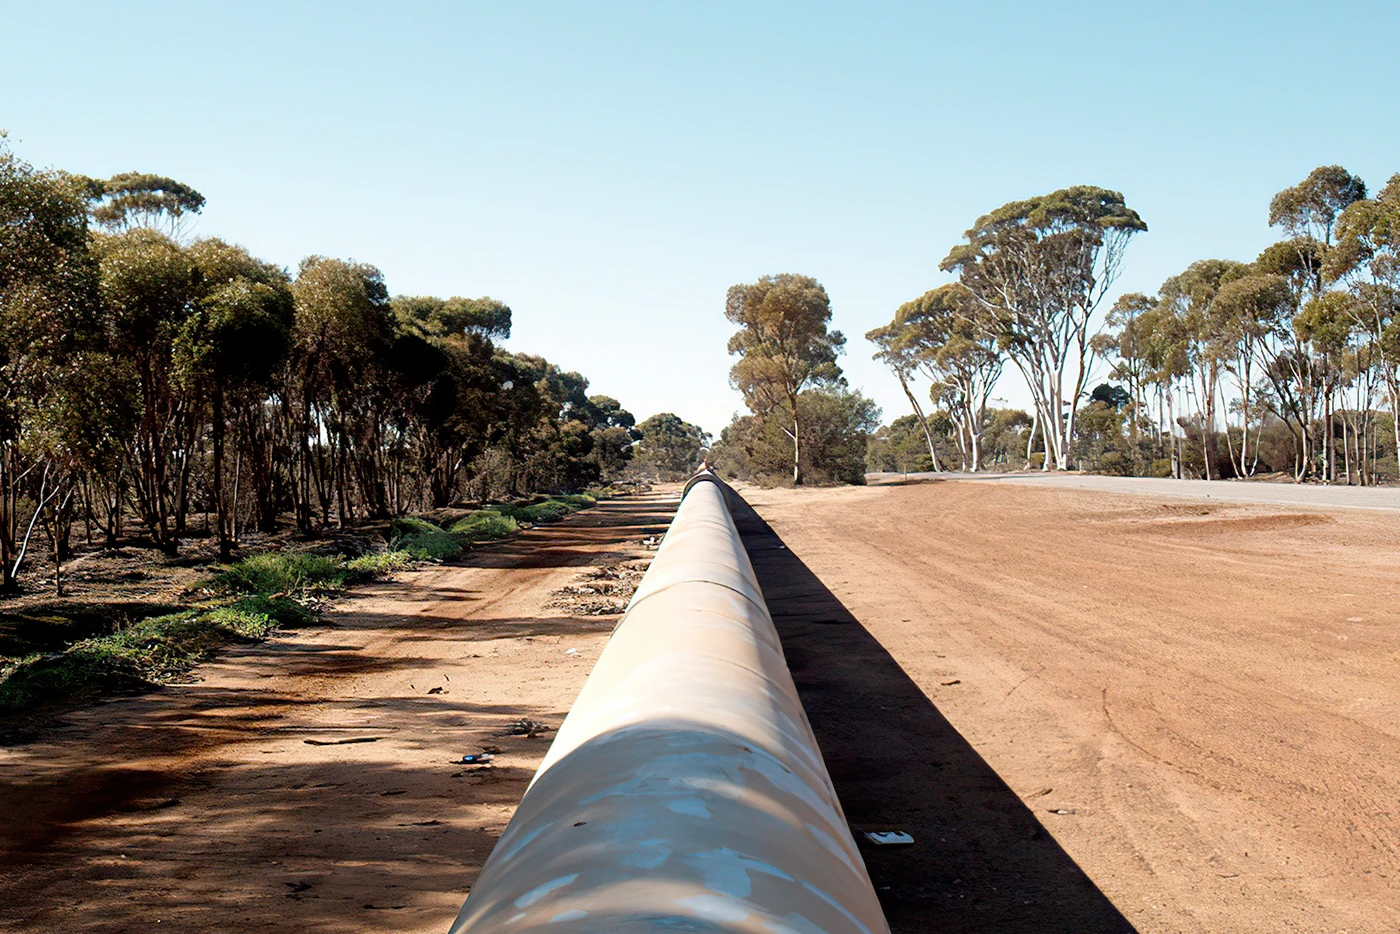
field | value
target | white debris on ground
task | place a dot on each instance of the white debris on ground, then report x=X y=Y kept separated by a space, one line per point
x=601 y=591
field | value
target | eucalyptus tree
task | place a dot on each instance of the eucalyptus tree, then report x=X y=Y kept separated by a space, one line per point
x=149 y=290
x=784 y=347
x=139 y=199
x=943 y=335
x=899 y=351
x=48 y=300
x=1211 y=345
x=233 y=346
x=343 y=328
x=670 y=446
x=1366 y=259
x=1309 y=212
x=1151 y=343
x=1259 y=309
x=1122 y=341
x=1042 y=267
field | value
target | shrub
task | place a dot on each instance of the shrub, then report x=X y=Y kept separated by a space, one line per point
x=431 y=546
x=413 y=525
x=281 y=610
x=372 y=567
x=484 y=526
x=281 y=573
x=548 y=511
x=152 y=650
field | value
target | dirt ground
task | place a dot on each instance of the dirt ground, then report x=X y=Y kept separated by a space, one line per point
x=313 y=783
x=1101 y=712
x=1094 y=713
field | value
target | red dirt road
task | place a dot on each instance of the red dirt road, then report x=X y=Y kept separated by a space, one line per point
x=203 y=807
x=1200 y=704
x=1095 y=713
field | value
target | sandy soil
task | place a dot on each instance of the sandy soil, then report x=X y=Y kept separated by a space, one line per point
x=1100 y=712
x=1095 y=713
x=311 y=783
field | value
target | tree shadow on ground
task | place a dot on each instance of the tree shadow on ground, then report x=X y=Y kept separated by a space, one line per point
x=324 y=839
x=981 y=860
x=574 y=543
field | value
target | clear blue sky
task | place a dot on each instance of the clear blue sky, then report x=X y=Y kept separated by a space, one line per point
x=610 y=169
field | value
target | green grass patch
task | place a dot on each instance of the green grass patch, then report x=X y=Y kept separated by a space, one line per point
x=266 y=592
x=295 y=573
x=548 y=509
x=372 y=567
x=257 y=595
x=485 y=525
x=146 y=653
x=431 y=546
x=413 y=525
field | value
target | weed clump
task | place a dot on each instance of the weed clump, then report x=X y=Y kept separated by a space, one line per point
x=148 y=652
x=251 y=598
x=293 y=573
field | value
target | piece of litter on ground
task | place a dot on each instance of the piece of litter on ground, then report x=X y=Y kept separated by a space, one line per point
x=480 y=758
x=341 y=742
x=948 y=684
x=434 y=690
x=571 y=652
x=1061 y=810
x=1040 y=794
x=526 y=727
x=889 y=838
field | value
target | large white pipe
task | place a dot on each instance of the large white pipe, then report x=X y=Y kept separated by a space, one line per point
x=685 y=790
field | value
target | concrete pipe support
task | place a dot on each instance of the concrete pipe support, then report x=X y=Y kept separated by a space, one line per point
x=685 y=790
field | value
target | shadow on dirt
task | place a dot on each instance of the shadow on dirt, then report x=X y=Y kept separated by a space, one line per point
x=981 y=861
x=318 y=840
x=574 y=543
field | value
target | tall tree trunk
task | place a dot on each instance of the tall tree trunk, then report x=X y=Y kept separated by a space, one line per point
x=796 y=448
x=923 y=420
x=220 y=501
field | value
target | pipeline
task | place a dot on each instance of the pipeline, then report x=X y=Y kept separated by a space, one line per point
x=685 y=790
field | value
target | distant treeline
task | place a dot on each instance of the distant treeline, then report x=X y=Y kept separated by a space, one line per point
x=145 y=377
x=1286 y=364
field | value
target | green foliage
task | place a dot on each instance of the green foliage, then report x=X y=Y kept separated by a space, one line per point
x=670 y=447
x=413 y=525
x=139 y=199
x=899 y=447
x=431 y=546
x=485 y=525
x=148 y=652
x=838 y=425
x=295 y=573
x=374 y=566
x=454 y=317
x=784 y=347
x=426 y=542
x=550 y=511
